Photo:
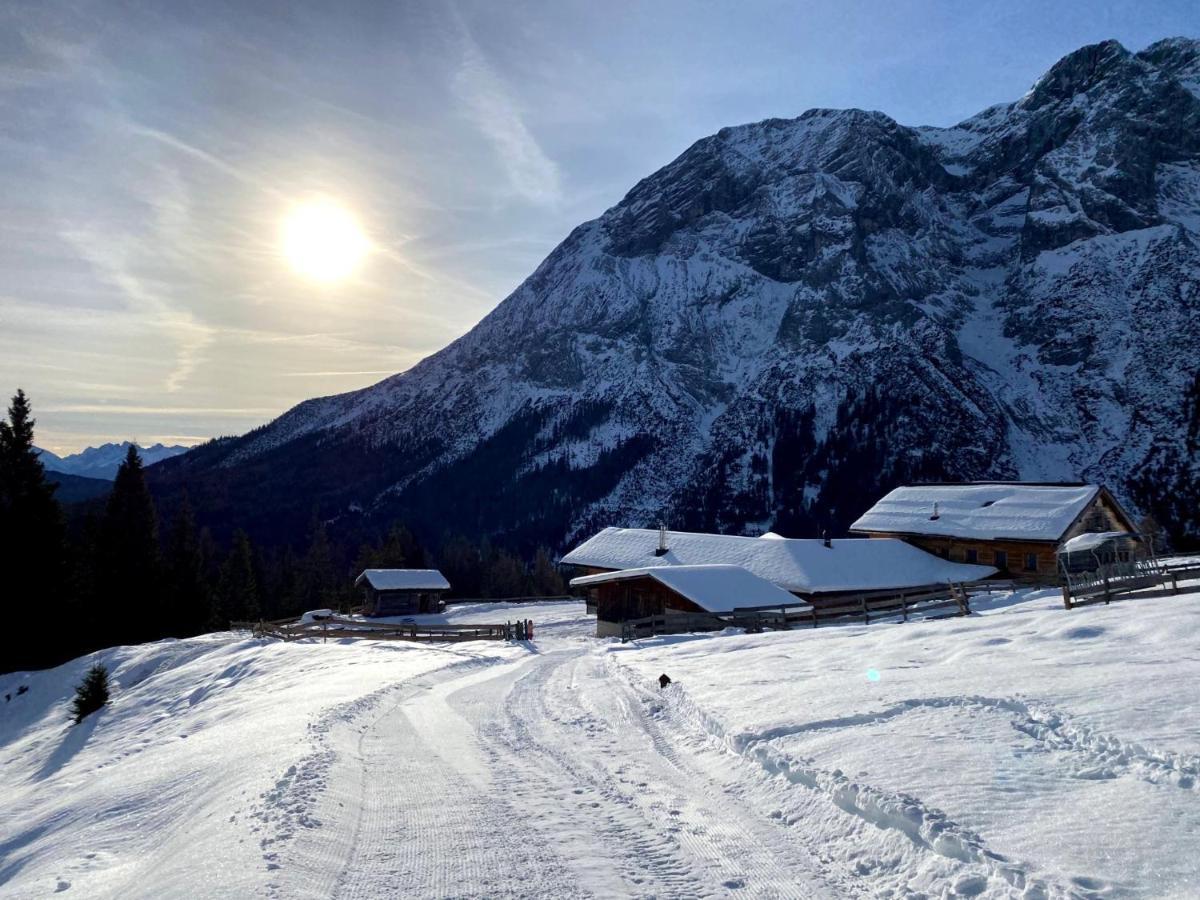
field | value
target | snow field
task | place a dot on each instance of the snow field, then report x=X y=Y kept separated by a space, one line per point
x=207 y=762
x=1026 y=751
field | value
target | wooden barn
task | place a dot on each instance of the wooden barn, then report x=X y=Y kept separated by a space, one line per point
x=1017 y=527
x=401 y=592
x=633 y=572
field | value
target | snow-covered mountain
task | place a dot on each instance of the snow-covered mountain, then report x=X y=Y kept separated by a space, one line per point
x=103 y=461
x=798 y=313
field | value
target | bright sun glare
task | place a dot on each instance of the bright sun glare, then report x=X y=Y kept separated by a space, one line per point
x=323 y=241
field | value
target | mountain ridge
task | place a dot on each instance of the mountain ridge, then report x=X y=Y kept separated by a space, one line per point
x=102 y=461
x=794 y=315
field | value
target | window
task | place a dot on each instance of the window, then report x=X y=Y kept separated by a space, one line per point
x=972 y=556
x=1030 y=562
x=1001 y=562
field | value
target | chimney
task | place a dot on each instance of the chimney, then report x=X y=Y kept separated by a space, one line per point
x=662 y=540
x=825 y=538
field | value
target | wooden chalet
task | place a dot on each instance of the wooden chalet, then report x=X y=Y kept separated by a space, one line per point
x=1016 y=527
x=630 y=573
x=401 y=592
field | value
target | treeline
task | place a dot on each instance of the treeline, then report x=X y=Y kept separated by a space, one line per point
x=119 y=575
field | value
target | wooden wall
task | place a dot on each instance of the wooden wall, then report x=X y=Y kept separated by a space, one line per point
x=635 y=598
x=956 y=550
x=399 y=603
x=1100 y=515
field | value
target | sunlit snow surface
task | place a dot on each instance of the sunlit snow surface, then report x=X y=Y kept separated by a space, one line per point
x=1024 y=751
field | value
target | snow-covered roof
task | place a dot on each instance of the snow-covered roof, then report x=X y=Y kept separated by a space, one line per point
x=712 y=588
x=404 y=580
x=1093 y=539
x=1031 y=512
x=804 y=566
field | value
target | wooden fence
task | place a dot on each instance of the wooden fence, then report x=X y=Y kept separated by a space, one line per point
x=1113 y=580
x=337 y=627
x=866 y=607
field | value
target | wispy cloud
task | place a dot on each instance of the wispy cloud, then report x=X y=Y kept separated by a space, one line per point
x=189 y=336
x=488 y=102
x=137 y=410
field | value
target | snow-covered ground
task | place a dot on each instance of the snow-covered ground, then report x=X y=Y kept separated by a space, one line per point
x=1025 y=751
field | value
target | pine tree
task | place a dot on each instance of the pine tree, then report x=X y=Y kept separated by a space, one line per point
x=460 y=561
x=547 y=579
x=237 y=590
x=505 y=576
x=32 y=552
x=91 y=693
x=131 y=584
x=318 y=586
x=188 y=590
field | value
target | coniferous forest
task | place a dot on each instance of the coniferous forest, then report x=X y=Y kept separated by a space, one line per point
x=82 y=576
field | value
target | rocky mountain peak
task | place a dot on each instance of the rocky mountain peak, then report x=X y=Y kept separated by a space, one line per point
x=797 y=314
x=1077 y=73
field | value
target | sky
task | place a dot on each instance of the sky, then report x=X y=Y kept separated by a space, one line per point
x=150 y=153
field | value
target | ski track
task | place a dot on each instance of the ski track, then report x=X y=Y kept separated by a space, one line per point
x=561 y=775
x=1099 y=756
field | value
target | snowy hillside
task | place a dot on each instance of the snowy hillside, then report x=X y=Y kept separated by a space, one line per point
x=797 y=314
x=1023 y=752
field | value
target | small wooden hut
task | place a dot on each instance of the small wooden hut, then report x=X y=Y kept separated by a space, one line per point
x=401 y=592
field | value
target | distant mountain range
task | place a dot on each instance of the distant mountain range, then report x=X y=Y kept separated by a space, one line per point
x=102 y=462
x=791 y=318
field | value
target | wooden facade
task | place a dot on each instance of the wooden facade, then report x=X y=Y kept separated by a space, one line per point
x=633 y=598
x=1021 y=558
x=399 y=602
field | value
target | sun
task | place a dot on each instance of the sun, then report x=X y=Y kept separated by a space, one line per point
x=323 y=241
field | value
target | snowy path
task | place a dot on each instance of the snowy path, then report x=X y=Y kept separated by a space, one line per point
x=547 y=778
x=1024 y=752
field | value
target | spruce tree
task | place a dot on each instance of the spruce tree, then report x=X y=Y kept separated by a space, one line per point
x=31 y=539
x=547 y=579
x=237 y=591
x=91 y=693
x=188 y=590
x=131 y=584
x=318 y=586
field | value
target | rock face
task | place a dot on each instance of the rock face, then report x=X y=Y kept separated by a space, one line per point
x=794 y=316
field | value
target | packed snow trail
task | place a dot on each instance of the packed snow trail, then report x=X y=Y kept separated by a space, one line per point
x=547 y=778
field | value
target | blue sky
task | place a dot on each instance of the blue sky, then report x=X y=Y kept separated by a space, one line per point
x=149 y=152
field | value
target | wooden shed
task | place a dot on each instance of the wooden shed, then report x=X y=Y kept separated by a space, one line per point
x=1016 y=527
x=401 y=592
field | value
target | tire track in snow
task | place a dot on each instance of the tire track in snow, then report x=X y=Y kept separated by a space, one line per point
x=929 y=830
x=306 y=824
x=678 y=833
x=431 y=824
